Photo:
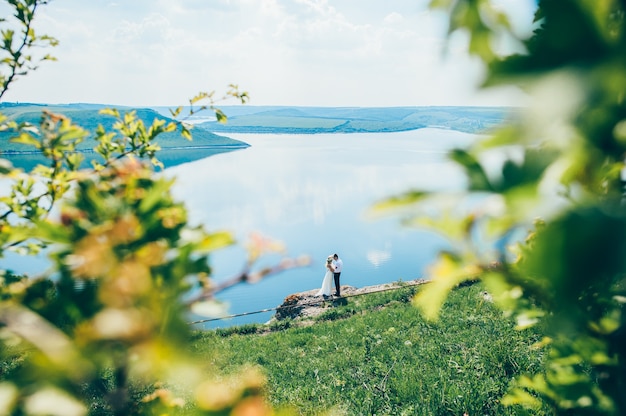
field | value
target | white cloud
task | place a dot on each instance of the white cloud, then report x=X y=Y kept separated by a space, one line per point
x=393 y=18
x=304 y=52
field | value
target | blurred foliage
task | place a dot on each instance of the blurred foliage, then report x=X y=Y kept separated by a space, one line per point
x=103 y=331
x=542 y=221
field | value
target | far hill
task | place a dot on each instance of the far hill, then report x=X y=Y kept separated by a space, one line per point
x=311 y=120
x=88 y=117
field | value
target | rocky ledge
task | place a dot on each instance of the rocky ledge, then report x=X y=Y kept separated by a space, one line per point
x=306 y=305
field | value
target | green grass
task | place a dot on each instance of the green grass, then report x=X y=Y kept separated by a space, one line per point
x=372 y=354
x=375 y=354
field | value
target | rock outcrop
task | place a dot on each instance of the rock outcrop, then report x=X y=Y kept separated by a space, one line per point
x=307 y=305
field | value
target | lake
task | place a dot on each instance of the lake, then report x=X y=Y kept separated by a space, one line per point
x=312 y=192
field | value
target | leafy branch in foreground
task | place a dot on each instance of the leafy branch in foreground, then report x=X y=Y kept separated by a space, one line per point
x=125 y=258
x=18 y=46
x=545 y=226
x=104 y=330
x=204 y=101
x=126 y=269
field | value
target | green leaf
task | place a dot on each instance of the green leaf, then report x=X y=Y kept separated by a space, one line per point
x=156 y=128
x=170 y=127
x=175 y=112
x=215 y=241
x=110 y=112
x=478 y=180
x=74 y=160
x=27 y=139
x=20 y=233
x=447 y=272
x=521 y=397
x=399 y=201
x=50 y=232
x=184 y=131
x=6 y=167
x=508 y=134
x=440 y=4
x=154 y=195
x=201 y=96
x=221 y=117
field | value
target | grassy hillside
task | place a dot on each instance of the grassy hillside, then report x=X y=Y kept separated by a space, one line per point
x=375 y=354
x=310 y=120
x=88 y=117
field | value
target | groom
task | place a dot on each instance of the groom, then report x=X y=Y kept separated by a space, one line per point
x=338 y=266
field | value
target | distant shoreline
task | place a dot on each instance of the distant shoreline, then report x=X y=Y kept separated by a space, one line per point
x=310 y=131
x=206 y=147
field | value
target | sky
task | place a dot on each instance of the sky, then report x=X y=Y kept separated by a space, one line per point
x=355 y=53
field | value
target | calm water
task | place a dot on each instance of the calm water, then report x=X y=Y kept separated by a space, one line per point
x=312 y=192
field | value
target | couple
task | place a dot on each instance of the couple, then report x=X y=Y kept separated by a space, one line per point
x=333 y=271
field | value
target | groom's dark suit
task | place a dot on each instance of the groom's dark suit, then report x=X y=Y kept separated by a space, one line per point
x=338 y=263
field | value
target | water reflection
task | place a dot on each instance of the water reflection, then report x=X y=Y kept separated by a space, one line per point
x=311 y=192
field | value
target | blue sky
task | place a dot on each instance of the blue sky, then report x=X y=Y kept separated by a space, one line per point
x=283 y=52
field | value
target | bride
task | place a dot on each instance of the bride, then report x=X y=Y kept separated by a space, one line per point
x=327 y=283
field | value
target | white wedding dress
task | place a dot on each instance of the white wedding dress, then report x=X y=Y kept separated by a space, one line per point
x=327 y=284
